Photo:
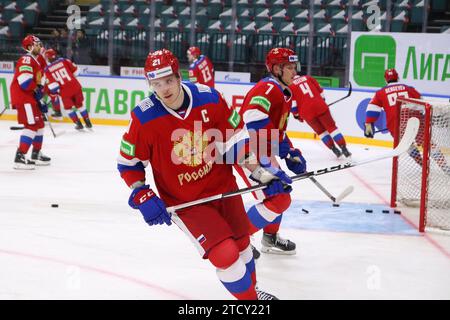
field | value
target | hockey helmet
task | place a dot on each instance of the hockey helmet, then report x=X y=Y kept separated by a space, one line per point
x=50 y=54
x=194 y=51
x=29 y=41
x=281 y=56
x=160 y=63
x=391 y=75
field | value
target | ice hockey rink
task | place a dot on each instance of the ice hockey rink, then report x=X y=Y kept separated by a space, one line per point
x=93 y=246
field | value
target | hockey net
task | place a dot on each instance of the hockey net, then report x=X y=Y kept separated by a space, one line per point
x=421 y=176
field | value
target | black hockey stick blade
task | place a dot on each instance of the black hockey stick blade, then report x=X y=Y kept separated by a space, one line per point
x=348 y=94
x=16 y=128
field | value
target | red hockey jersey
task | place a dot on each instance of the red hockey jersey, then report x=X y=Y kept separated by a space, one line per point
x=386 y=99
x=61 y=73
x=180 y=149
x=307 y=94
x=202 y=71
x=266 y=106
x=27 y=75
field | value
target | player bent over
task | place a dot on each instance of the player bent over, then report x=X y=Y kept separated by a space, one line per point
x=61 y=79
x=171 y=130
x=266 y=107
x=386 y=99
x=26 y=95
x=309 y=105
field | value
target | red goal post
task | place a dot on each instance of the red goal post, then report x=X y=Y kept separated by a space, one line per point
x=421 y=176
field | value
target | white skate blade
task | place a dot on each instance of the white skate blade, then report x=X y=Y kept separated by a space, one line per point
x=272 y=250
x=23 y=166
x=42 y=163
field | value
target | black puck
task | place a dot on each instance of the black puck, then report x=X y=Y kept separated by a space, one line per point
x=336 y=205
x=305 y=211
x=54 y=205
x=385 y=211
x=397 y=212
x=369 y=210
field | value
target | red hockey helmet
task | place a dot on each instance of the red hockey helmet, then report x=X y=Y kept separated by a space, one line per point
x=280 y=56
x=160 y=63
x=194 y=51
x=29 y=41
x=50 y=54
x=390 y=75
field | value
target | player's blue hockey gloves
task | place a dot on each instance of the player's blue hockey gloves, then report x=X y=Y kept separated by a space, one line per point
x=150 y=205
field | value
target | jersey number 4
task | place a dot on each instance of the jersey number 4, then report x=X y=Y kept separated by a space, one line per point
x=306 y=89
x=60 y=75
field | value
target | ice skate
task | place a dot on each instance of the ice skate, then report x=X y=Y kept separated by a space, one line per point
x=22 y=163
x=273 y=243
x=40 y=159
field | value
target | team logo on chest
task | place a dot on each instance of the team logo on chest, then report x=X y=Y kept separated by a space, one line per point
x=189 y=148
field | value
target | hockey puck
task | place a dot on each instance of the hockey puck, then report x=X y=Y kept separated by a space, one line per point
x=369 y=210
x=54 y=205
x=397 y=212
x=336 y=204
x=385 y=211
x=305 y=211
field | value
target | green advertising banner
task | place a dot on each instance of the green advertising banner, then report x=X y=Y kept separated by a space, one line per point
x=421 y=60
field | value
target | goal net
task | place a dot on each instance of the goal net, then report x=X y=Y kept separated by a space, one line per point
x=421 y=176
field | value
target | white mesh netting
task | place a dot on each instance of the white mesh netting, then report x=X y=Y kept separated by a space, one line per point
x=409 y=185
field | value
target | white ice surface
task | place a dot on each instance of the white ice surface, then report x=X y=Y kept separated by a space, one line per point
x=95 y=247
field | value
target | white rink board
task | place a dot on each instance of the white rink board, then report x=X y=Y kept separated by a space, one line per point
x=113 y=97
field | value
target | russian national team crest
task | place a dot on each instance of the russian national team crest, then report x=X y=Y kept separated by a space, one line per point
x=189 y=148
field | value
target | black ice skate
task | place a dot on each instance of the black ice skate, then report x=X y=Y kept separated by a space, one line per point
x=273 y=243
x=345 y=151
x=40 y=159
x=262 y=295
x=79 y=125
x=22 y=163
x=336 y=151
x=88 y=123
x=256 y=253
x=57 y=115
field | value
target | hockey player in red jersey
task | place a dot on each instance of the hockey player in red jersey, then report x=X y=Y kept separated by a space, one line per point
x=266 y=107
x=61 y=79
x=26 y=97
x=386 y=99
x=173 y=130
x=201 y=69
x=309 y=105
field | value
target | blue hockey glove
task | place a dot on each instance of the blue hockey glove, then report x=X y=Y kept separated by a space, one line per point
x=279 y=181
x=43 y=107
x=38 y=93
x=276 y=187
x=150 y=205
x=295 y=161
x=284 y=148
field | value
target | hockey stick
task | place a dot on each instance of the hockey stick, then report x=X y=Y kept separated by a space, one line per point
x=16 y=128
x=381 y=130
x=3 y=111
x=344 y=193
x=348 y=94
x=324 y=190
x=337 y=199
x=408 y=138
x=49 y=124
